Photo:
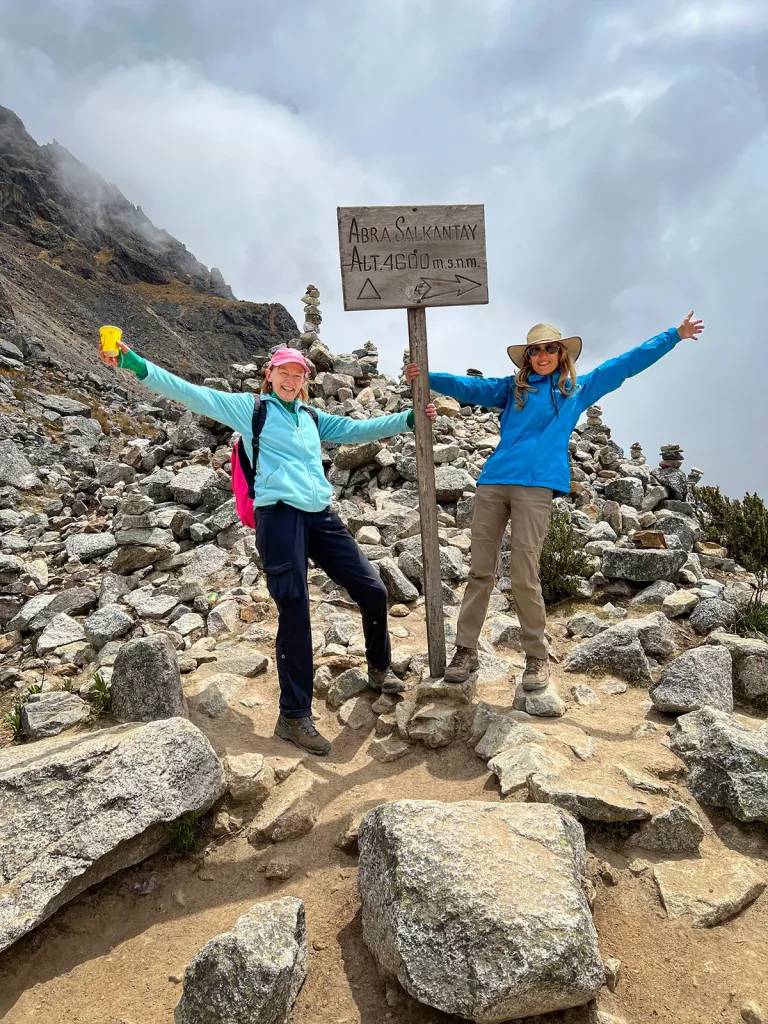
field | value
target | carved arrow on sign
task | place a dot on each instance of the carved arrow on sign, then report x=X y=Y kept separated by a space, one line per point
x=436 y=286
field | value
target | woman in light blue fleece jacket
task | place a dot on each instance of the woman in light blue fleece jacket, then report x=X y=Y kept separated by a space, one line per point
x=294 y=521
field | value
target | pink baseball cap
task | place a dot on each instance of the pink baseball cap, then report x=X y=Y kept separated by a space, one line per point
x=288 y=355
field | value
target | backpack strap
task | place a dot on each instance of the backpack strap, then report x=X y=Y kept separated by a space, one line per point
x=248 y=463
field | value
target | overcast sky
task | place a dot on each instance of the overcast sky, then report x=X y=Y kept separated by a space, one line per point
x=620 y=148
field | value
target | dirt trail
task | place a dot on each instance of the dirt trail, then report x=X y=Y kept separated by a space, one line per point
x=110 y=956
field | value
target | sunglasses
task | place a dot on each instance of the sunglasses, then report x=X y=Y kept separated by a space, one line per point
x=536 y=350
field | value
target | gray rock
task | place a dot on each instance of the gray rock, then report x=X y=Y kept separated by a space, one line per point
x=214 y=699
x=441 y=887
x=585 y=624
x=150 y=603
x=616 y=650
x=87 y=546
x=249 y=777
x=346 y=685
x=206 y=562
x=506 y=631
x=675 y=830
x=706 y=891
x=655 y=594
x=623 y=648
x=223 y=618
x=61 y=630
x=15 y=467
x=251 y=974
x=699 y=677
x=452 y=568
x=399 y=587
x=113 y=588
x=48 y=714
x=146 y=682
x=545 y=703
x=64 y=406
x=682 y=602
x=714 y=614
x=513 y=765
x=588 y=800
x=108 y=623
x=112 y=473
x=451 y=482
x=434 y=725
x=727 y=762
x=686 y=530
x=353 y=456
x=189 y=484
x=626 y=490
x=76 y=809
x=643 y=566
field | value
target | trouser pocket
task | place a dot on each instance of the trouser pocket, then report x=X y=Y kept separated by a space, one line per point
x=281 y=581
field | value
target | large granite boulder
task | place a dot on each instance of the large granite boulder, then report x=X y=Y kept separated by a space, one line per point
x=477 y=909
x=698 y=677
x=727 y=762
x=74 y=810
x=251 y=974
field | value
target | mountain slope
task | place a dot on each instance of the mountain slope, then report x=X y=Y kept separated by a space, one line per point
x=75 y=254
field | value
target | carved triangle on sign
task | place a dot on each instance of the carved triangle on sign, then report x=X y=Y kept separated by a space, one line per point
x=368 y=291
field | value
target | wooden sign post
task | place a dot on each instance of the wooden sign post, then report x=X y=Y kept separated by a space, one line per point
x=411 y=257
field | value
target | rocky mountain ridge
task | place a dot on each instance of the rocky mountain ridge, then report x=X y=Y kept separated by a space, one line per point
x=76 y=254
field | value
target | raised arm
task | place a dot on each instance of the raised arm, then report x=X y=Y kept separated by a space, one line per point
x=233 y=410
x=611 y=374
x=490 y=392
x=342 y=430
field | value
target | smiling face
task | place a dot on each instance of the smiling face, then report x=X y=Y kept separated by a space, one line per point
x=544 y=357
x=287 y=380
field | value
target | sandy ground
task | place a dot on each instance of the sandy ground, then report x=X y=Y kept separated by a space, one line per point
x=113 y=956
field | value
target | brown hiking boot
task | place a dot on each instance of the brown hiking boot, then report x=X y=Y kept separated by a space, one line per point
x=384 y=680
x=463 y=662
x=536 y=674
x=303 y=733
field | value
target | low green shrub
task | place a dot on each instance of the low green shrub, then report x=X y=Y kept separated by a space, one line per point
x=563 y=560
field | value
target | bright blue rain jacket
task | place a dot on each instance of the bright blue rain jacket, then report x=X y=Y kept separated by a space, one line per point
x=533 y=450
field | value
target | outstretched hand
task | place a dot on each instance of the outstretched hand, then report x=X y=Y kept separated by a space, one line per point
x=412 y=371
x=431 y=411
x=109 y=358
x=690 y=328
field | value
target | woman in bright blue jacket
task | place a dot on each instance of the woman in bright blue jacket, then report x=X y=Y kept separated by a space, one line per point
x=540 y=405
x=294 y=521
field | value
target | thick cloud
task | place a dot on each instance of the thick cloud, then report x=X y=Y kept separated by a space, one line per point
x=619 y=150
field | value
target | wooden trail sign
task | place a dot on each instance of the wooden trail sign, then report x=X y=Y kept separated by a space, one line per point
x=395 y=257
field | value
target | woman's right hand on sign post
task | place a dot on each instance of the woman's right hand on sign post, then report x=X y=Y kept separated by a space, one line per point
x=412 y=371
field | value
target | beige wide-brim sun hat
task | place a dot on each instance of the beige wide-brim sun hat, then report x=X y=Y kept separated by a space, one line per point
x=540 y=335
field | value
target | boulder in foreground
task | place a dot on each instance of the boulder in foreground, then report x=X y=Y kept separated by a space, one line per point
x=251 y=974
x=74 y=810
x=477 y=909
x=727 y=762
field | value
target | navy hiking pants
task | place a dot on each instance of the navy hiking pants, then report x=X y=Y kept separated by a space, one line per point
x=286 y=538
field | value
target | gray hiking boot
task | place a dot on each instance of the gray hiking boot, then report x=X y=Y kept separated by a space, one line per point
x=463 y=662
x=384 y=680
x=303 y=733
x=536 y=674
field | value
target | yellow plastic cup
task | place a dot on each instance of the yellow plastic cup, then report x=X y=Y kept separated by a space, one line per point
x=110 y=336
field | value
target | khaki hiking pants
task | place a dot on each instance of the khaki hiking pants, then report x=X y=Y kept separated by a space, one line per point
x=528 y=509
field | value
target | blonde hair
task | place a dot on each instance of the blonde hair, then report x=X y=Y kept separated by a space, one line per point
x=566 y=382
x=266 y=388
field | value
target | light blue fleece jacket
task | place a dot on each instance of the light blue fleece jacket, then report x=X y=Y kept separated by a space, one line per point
x=533 y=450
x=290 y=464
